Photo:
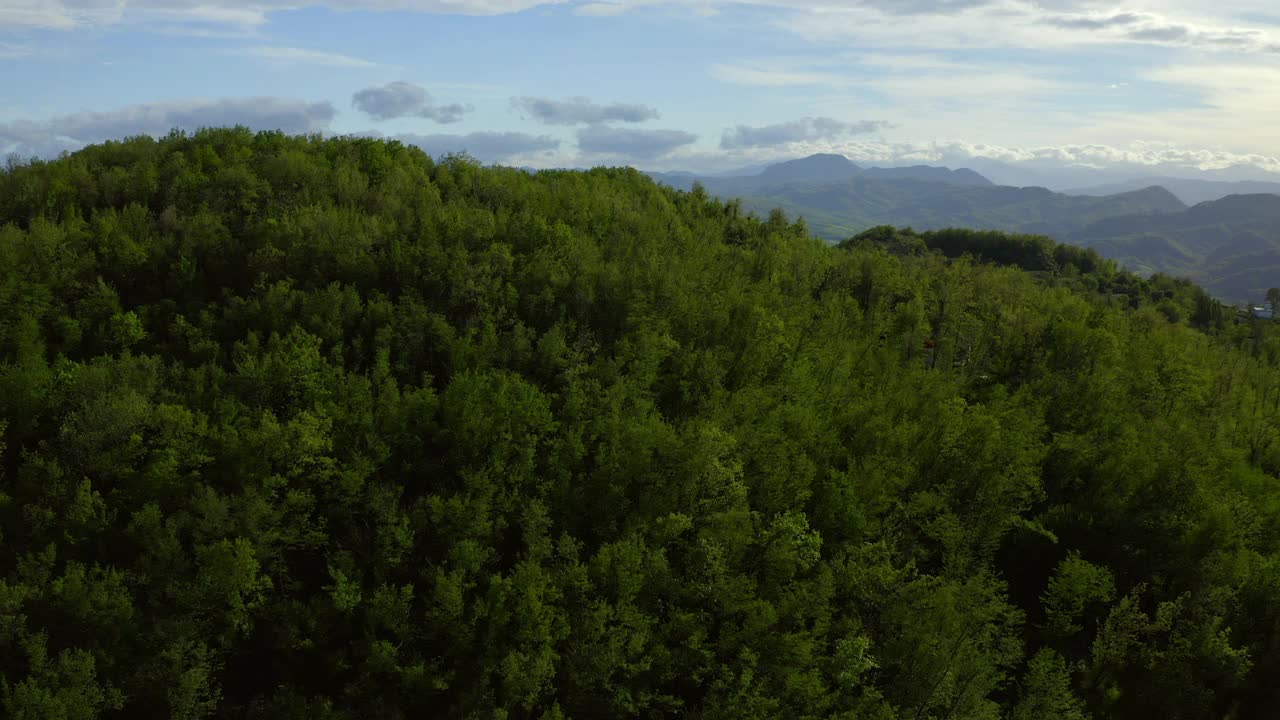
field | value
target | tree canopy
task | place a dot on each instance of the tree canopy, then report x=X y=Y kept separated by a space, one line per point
x=295 y=427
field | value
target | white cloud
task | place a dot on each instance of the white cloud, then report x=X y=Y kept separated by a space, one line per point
x=601 y=9
x=245 y=17
x=1156 y=29
x=1188 y=73
x=1137 y=154
x=770 y=77
x=1226 y=25
x=65 y=14
x=1236 y=107
x=300 y=56
x=10 y=51
x=38 y=14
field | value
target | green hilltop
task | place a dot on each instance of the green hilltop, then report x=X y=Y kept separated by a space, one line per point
x=295 y=427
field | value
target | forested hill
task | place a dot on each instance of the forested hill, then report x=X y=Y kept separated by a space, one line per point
x=325 y=429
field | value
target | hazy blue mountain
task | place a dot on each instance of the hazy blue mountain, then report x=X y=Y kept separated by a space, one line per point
x=1027 y=174
x=755 y=169
x=1231 y=246
x=815 y=169
x=927 y=173
x=1189 y=190
x=1115 y=178
x=837 y=210
x=675 y=178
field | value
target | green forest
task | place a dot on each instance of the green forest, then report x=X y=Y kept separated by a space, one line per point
x=328 y=429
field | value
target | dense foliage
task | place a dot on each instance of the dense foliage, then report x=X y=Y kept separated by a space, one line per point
x=303 y=428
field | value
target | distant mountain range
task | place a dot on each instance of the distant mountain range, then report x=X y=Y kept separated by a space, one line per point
x=1230 y=243
x=1188 y=191
x=818 y=170
x=1069 y=179
x=1230 y=246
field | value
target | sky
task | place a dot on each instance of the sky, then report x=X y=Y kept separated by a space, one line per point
x=1181 y=87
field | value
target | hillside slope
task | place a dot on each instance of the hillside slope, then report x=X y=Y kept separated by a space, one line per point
x=325 y=429
x=1230 y=246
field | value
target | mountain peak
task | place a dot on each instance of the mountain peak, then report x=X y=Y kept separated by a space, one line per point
x=815 y=168
x=1158 y=196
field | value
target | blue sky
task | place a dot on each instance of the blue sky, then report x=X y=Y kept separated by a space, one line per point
x=1185 y=86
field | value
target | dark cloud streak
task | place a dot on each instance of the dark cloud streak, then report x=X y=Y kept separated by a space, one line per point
x=1068 y=22
x=804 y=129
x=632 y=143
x=925 y=7
x=1147 y=28
x=404 y=99
x=582 y=111
x=1163 y=33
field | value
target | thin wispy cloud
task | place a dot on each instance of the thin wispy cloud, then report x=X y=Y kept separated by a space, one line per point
x=770 y=77
x=11 y=51
x=301 y=56
x=65 y=14
x=206 y=14
x=1092 y=22
x=1025 y=24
